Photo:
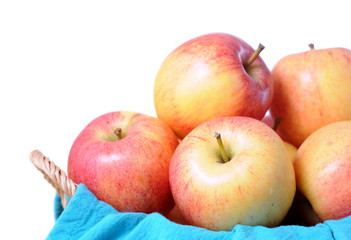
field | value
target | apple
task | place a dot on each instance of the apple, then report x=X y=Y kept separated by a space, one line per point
x=311 y=89
x=301 y=212
x=123 y=158
x=291 y=151
x=274 y=123
x=176 y=216
x=323 y=170
x=268 y=119
x=211 y=76
x=242 y=175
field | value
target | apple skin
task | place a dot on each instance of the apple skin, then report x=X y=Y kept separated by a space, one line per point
x=268 y=119
x=176 y=216
x=205 y=78
x=130 y=174
x=292 y=150
x=256 y=187
x=311 y=90
x=323 y=170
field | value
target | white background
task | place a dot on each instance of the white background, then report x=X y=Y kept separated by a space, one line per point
x=63 y=63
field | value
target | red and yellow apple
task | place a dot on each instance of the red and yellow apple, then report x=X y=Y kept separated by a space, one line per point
x=123 y=158
x=311 y=89
x=274 y=123
x=241 y=176
x=323 y=170
x=210 y=76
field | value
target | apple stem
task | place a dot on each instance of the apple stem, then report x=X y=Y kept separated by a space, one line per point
x=311 y=45
x=254 y=55
x=276 y=123
x=221 y=147
x=118 y=133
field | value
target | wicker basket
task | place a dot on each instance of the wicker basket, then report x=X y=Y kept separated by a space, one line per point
x=66 y=187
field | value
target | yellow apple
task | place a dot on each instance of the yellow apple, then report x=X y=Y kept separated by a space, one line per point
x=243 y=176
x=311 y=90
x=323 y=170
x=213 y=75
x=292 y=150
x=274 y=123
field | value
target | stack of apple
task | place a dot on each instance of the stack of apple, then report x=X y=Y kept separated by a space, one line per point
x=209 y=159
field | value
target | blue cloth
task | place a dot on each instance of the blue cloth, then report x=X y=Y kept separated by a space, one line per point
x=85 y=217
